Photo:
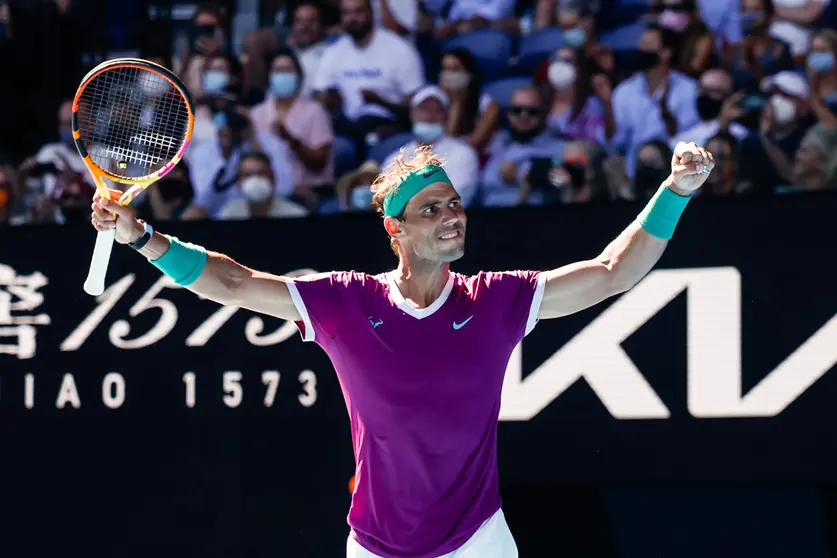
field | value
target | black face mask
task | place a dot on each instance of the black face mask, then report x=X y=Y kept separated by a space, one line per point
x=648 y=178
x=174 y=189
x=708 y=108
x=646 y=60
x=578 y=174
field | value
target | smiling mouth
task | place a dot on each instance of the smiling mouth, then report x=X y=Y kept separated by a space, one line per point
x=450 y=235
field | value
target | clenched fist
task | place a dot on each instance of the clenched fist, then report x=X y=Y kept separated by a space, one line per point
x=690 y=167
x=108 y=214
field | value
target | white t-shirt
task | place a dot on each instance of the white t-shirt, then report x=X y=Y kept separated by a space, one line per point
x=389 y=66
x=62 y=156
x=405 y=13
x=309 y=59
x=798 y=37
x=461 y=162
x=238 y=209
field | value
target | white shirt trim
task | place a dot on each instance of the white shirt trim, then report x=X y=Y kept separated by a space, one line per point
x=308 y=334
x=535 y=308
x=418 y=313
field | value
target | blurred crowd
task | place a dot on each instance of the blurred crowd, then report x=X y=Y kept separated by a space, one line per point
x=301 y=102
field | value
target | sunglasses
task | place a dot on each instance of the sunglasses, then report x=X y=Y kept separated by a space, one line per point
x=524 y=111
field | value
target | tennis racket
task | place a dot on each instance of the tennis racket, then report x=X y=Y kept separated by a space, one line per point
x=132 y=123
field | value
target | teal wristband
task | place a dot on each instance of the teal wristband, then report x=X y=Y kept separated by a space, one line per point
x=662 y=213
x=183 y=262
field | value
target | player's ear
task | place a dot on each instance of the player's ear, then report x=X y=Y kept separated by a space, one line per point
x=392 y=226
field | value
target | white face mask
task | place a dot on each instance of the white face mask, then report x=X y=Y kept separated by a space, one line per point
x=256 y=188
x=783 y=109
x=153 y=85
x=454 y=80
x=561 y=74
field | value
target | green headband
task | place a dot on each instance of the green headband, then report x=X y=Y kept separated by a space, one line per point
x=397 y=198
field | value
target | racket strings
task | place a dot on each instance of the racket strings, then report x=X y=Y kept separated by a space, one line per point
x=132 y=121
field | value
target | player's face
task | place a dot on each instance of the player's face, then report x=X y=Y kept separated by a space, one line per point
x=434 y=225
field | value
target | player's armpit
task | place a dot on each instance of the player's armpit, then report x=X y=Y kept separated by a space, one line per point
x=227 y=282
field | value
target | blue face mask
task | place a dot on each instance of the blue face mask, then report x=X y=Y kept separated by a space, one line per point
x=428 y=132
x=283 y=84
x=214 y=81
x=575 y=37
x=821 y=61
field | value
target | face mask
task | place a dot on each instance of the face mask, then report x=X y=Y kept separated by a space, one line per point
x=66 y=136
x=561 y=74
x=283 y=84
x=708 y=108
x=256 y=188
x=674 y=21
x=821 y=61
x=214 y=81
x=454 y=80
x=428 y=132
x=783 y=109
x=648 y=177
x=361 y=197
x=575 y=37
x=645 y=61
x=153 y=85
x=749 y=21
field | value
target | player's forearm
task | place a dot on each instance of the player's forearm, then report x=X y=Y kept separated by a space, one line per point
x=631 y=256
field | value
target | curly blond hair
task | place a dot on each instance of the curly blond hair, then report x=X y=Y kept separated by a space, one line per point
x=395 y=173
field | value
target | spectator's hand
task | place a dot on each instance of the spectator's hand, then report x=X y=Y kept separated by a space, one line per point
x=279 y=128
x=508 y=172
x=602 y=88
x=768 y=120
x=731 y=109
x=371 y=97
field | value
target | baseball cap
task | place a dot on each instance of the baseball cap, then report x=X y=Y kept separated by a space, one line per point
x=430 y=91
x=790 y=83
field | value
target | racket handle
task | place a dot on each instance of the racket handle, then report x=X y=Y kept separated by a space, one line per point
x=95 y=283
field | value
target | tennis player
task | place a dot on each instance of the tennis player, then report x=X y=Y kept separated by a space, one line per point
x=421 y=351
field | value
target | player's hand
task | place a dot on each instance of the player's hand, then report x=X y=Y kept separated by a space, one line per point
x=108 y=214
x=690 y=167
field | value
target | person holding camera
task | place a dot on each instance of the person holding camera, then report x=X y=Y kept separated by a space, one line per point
x=205 y=40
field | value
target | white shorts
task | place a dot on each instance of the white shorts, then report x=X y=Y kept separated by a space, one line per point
x=492 y=540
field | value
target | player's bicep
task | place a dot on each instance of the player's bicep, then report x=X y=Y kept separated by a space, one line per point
x=575 y=287
x=269 y=294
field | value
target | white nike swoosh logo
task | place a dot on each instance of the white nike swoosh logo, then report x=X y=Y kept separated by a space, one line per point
x=460 y=326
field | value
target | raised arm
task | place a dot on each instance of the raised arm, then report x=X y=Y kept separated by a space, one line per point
x=209 y=274
x=631 y=256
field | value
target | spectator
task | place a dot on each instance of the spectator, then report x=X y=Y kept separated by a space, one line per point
x=815 y=163
x=221 y=83
x=652 y=168
x=473 y=115
x=822 y=76
x=717 y=107
x=581 y=98
x=468 y=15
x=693 y=52
x=576 y=176
x=303 y=124
x=429 y=113
x=354 y=189
x=308 y=41
x=166 y=199
x=655 y=103
x=577 y=18
x=721 y=182
x=206 y=40
x=214 y=164
x=399 y=16
x=369 y=74
x=12 y=211
x=793 y=23
x=256 y=194
x=526 y=137
x=55 y=157
x=766 y=155
x=761 y=55
x=723 y=18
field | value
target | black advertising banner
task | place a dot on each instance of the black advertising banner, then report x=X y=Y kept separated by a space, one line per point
x=714 y=368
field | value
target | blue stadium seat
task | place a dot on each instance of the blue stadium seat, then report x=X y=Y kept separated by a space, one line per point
x=625 y=37
x=501 y=90
x=384 y=148
x=491 y=48
x=345 y=155
x=537 y=46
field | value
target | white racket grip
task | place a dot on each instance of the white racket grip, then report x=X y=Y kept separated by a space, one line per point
x=95 y=283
